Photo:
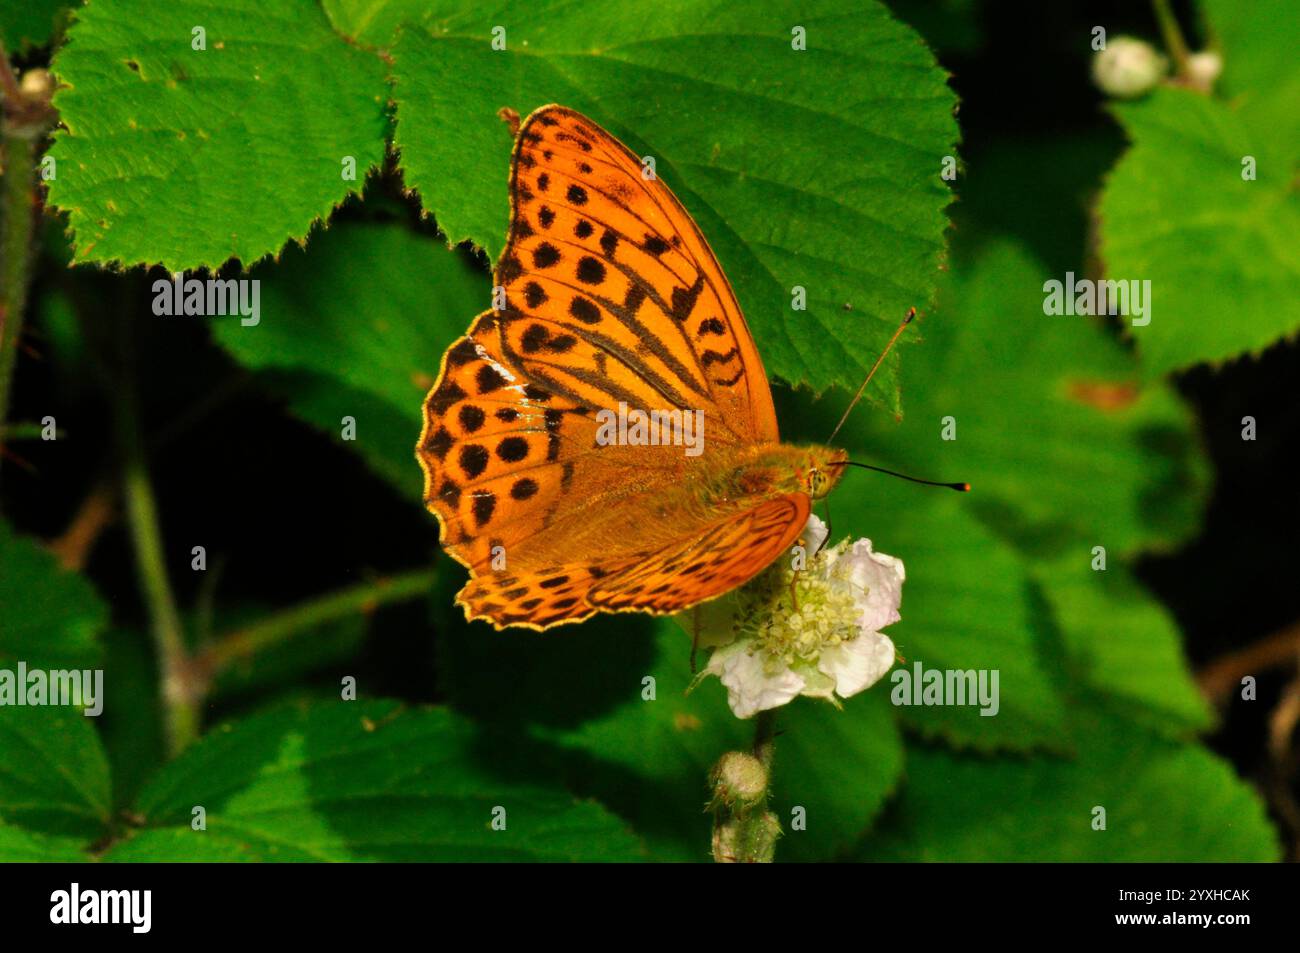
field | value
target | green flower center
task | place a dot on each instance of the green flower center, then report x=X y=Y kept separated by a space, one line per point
x=790 y=616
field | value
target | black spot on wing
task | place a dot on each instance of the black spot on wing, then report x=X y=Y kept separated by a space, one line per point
x=590 y=271
x=473 y=459
x=485 y=502
x=512 y=449
x=523 y=488
x=471 y=418
x=489 y=379
x=584 y=310
x=545 y=255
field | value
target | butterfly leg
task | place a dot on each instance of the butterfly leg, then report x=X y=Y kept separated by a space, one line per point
x=826 y=539
x=695 y=634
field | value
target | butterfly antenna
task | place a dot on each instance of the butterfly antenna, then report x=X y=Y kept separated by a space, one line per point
x=911 y=313
x=959 y=487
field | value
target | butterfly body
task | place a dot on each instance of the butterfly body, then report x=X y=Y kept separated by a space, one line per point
x=613 y=302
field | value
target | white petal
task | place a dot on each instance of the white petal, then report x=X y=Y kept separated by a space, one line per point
x=858 y=663
x=814 y=533
x=878 y=579
x=750 y=689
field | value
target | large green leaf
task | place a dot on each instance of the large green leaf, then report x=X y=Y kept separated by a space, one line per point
x=360 y=781
x=188 y=157
x=1163 y=802
x=1218 y=250
x=1259 y=39
x=817 y=168
x=582 y=692
x=53 y=774
x=1121 y=641
x=1064 y=448
x=355 y=325
x=49 y=617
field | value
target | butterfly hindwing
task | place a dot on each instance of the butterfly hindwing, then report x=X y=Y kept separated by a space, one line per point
x=728 y=554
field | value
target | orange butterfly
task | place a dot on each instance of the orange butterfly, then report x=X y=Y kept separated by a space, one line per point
x=613 y=304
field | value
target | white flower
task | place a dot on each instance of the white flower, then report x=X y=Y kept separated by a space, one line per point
x=814 y=630
x=1128 y=68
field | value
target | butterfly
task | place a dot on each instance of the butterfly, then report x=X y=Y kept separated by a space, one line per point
x=609 y=302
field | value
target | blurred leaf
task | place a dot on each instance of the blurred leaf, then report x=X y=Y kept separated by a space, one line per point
x=359 y=781
x=1122 y=642
x=19 y=846
x=1061 y=443
x=290 y=661
x=580 y=689
x=1219 y=251
x=131 y=725
x=817 y=168
x=1164 y=802
x=32 y=22
x=53 y=774
x=49 y=616
x=1258 y=40
x=356 y=325
x=187 y=158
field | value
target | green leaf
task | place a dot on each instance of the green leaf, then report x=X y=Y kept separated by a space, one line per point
x=19 y=846
x=53 y=774
x=1121 y=641
x=49 y=616
x=346 y=781
x=581 y=690
x=1063 y=446
x=32 y=22
x=356 y=325
x=187 y=158
x=817 y=168
x=1218 y=250
x=1163 y=802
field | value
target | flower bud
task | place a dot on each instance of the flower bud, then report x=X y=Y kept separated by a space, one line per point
x=739 y=781
x=1203 y=70
x=1128 y=68
x=37 y=84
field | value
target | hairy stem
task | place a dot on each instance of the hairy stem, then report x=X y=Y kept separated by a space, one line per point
x=765 y=738
x=1173 y=36
x=180 y=704
x=17 y=224
x=744 y=830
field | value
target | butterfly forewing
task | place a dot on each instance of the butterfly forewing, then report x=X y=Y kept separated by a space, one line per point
x=613 y=290
x=611 y=297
